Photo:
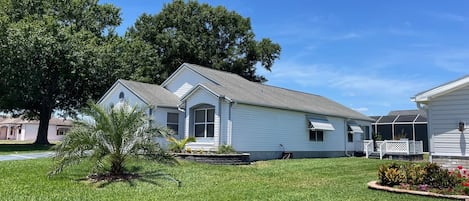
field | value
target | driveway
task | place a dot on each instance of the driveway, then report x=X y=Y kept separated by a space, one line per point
x=25 y=156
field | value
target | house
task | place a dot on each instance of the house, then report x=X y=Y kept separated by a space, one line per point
x=447 y=107
x=26 y=130
x=221 y=108
x=398 y=124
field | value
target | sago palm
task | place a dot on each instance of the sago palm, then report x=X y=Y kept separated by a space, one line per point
x=109 y=138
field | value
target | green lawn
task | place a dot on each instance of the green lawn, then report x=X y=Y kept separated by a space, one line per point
x=12 y=147
x=299 y=179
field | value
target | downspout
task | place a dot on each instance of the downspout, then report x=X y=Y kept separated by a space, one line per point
x=229 y=130
x=219 y=120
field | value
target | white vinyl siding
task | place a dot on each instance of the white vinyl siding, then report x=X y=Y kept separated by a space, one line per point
x=112 y=98
x=184 y=81
x=264 y=129
x=445 y=112
x=198 y=100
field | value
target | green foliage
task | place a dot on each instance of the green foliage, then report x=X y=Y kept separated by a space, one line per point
x=109 y=140
x=226 y=149
x=178 y=146
x=188 y=31
x=377 y=137
x=431 y=175
x=414 y=173
x=51 y=56
x=391 y=175
x=438 y=177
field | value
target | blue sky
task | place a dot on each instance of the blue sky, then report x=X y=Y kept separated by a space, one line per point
x=371 y=56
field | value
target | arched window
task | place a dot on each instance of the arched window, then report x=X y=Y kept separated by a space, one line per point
x=121 y=95
x=204 y=122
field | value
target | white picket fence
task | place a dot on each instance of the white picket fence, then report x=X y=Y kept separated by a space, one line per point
x=404 y=147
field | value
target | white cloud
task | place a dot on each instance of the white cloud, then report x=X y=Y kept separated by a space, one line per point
x=350 y=82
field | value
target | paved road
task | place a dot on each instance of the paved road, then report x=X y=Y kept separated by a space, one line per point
x=25 y=156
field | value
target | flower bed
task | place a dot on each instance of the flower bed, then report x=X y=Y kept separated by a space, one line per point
x=429 y=178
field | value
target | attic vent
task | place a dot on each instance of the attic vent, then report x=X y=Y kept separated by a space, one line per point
x=121 y=95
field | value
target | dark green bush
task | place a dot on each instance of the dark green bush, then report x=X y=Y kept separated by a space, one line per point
x=437 y=177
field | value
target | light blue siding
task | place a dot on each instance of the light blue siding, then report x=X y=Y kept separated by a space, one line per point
x=264 y=129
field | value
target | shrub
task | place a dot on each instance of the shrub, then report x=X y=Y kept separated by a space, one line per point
x=414 y=174
x=437 y=177
x=430 y=175
x=178 y=146
x=226 y=149
x=391 y=175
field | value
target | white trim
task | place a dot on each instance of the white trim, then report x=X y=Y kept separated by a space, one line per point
x=441 y=90
x=194 y=89
x=205 y=122
x=125 y=86
x=184 y=65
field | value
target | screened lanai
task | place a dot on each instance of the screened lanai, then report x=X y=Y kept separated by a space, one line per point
x=410 y=124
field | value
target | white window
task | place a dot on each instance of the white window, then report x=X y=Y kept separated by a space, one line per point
x=204 y=121
x=62 y=131
x=316 y=135
x=172 y=121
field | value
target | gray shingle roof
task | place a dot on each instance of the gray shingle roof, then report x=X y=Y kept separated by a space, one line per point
x=152 y=94
x=408 y=112
x=241 y=90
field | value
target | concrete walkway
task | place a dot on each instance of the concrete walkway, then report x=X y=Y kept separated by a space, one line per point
x=25 y=156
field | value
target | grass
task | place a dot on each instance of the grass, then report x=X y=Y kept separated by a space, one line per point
x=298 y=179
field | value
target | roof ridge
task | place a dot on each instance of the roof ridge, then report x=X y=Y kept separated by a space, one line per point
x=262 y=84
x=446 y=83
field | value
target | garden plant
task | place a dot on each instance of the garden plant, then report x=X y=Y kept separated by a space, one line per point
x=109 y=138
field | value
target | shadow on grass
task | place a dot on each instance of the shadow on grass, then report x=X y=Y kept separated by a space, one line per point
x=153 y=177
x=6 y=148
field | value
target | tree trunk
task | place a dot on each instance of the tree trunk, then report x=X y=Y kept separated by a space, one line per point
x=44 y=117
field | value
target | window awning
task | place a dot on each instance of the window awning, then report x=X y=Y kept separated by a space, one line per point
x=354 y=127
x=320 y=124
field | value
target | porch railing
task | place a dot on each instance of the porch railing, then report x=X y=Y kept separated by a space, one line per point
x=405 y=147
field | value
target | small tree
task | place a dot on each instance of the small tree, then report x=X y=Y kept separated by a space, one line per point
x=178 y=146
x=109 y=139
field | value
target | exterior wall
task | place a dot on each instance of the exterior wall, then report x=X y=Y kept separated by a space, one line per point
x=267 y=132
x=112 y=97
x=159 y=118
x=357 y=144
x=184 y=81
x=445 y=112
x=29 y=133
x=197 y=98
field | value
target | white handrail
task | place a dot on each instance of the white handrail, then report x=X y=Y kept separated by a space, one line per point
x=366 y=147
x=381 y=151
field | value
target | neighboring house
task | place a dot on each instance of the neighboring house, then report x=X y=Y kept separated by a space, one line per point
x=447 y=107
x=410 y=124
x=26 y=130
x=221 y=108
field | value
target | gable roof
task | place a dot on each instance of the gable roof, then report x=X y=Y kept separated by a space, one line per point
x=448 y=87
x=238 y=89
x=150 y=94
